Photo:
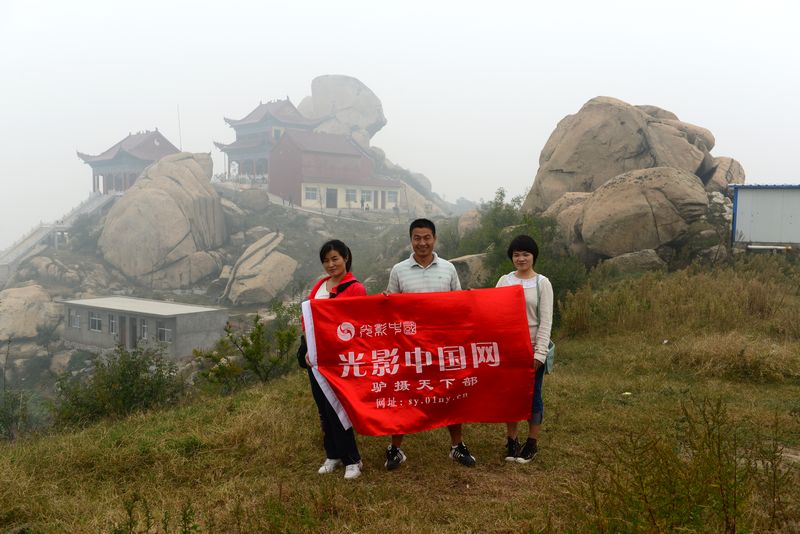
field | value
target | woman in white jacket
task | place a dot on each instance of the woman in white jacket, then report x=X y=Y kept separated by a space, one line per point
x=523 y=251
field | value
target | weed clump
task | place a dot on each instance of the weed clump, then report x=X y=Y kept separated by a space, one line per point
x=712 y=474
x=120 y=384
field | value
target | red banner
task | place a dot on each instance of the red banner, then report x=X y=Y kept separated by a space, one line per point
x=409 y=362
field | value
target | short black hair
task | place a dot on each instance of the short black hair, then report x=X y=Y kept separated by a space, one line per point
x=422 y=223
x=523 y=243
x=341 y=248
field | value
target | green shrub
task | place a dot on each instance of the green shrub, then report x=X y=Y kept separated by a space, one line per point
x=123 y=382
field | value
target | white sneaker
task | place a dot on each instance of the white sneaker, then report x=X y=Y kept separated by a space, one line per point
x=329 y=466
x=353 y=471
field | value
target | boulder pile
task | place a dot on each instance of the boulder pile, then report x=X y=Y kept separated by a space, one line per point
x=620 y=179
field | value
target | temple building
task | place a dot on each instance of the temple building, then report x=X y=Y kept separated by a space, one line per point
x=326 y=171
x=257 y=134
x=117 y=168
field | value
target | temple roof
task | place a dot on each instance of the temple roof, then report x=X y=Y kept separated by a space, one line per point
x=146 y=146
x=281 y=110
x=246 y=143
x=323 y=142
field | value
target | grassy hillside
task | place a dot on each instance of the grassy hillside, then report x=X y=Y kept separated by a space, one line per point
x=662 y=414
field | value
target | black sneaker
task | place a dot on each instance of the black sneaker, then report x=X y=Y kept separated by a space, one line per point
x=460 y=453
x=512 y=449
x=528 y=452
x=394 y=457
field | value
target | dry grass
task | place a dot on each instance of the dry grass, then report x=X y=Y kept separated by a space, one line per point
x=755 y=295
x=736 y=356
x=247 y=463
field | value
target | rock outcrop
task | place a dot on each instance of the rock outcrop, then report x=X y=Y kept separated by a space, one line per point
x=608 y=137
x=346 y=106
x=22 y=309
x=468 y=221
x=88 y=277
x=45 y=268
x=636 y=262
x=471 y=270
x=726 y=171
x=642 y=209
x=260 y=273
x=164 y=231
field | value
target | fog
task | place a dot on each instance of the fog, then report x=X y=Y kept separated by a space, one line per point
x=471 y=90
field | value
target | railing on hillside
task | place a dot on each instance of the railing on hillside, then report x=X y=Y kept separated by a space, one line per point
x=35 y=235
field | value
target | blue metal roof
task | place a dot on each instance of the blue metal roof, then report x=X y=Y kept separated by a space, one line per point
x=764 y=186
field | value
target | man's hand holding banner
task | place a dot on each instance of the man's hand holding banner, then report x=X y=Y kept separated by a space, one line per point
x=409 y=362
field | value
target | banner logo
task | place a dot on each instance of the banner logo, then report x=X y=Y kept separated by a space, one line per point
x=346 y=331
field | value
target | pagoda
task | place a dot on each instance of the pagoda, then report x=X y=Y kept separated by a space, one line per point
x=117 y=168
x=258 y=133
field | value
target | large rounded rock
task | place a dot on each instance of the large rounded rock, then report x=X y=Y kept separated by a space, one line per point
x=22 y=309
x=726 y=171
x=346 y=106
x=260 y=273
x=642 y=209
x=161 y=231
x=608 y=137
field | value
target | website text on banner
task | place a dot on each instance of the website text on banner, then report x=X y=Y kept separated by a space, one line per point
x=409 y=362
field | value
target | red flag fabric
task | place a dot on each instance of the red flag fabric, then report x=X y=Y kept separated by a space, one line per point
x=409 y=362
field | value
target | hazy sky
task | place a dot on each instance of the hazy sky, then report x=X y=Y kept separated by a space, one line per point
x=471 y=90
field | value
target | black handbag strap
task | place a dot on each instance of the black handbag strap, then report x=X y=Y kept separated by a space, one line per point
x=342 y=287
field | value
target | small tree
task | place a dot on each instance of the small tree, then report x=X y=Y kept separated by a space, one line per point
x=261 y=351
x=46 y=336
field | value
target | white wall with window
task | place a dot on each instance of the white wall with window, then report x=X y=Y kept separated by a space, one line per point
x=318 y=195
x=95 y=323
x=112 y=323
x=74 y=319
x=143 y=329
x=163 y=334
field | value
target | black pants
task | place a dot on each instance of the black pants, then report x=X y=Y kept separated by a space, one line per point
x=339 y=443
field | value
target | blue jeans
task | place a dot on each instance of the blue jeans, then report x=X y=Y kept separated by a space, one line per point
x=537 y=412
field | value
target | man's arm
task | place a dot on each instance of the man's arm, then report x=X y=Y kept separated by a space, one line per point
x=394 y=281
x=455 y=283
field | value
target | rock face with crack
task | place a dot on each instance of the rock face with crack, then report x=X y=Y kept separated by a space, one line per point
x=164 y=231
x=642 y=209
x=260 y=273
